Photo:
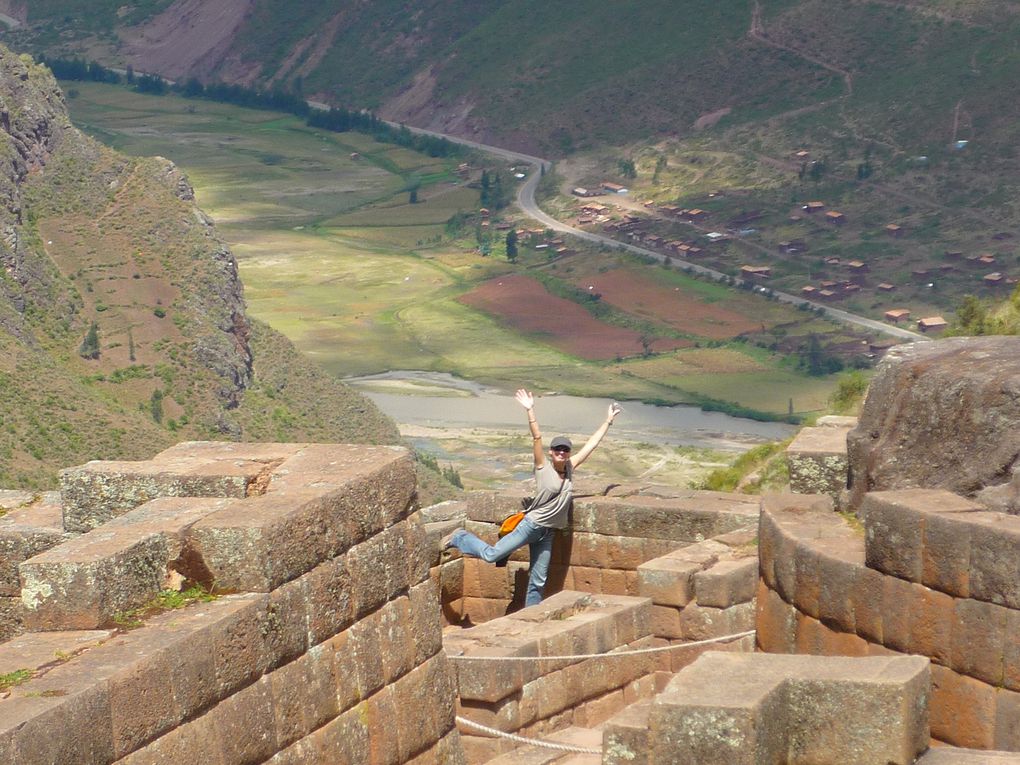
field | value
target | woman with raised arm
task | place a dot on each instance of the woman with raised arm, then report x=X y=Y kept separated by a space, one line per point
x=550 y=508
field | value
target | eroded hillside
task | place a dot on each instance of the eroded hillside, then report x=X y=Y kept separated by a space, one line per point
x=122 y=318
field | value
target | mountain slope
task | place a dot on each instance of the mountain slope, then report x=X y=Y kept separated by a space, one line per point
x=556 y=75
x=90 y=238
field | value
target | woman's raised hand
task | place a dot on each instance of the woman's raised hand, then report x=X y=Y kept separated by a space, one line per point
x=524 y=398
x=614 y=409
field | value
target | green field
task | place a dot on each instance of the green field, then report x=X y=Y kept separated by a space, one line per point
x=333 y=255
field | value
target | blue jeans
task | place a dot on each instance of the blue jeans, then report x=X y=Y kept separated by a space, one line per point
x=539 y=539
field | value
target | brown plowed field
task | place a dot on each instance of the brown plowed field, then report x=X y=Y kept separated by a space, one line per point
x=644 y=297
x=524 y=304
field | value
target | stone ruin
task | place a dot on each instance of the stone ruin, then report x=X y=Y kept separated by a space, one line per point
x=339 y=633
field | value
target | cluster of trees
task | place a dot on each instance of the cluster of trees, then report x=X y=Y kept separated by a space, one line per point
x=495 y=190
x=337 y=119
x=80 y=70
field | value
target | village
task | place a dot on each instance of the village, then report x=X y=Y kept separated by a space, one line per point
x=779 y=250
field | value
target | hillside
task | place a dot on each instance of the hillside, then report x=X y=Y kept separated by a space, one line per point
x=91 y=238
x=555 y=76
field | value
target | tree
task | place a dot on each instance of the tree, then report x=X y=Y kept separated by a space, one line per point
x=156 y=405
x=89 y=348
x=511 y=245
x=412 y=198
x=131 y=345
x=627 y=168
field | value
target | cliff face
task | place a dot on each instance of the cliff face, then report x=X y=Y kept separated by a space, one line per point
x=92 y=239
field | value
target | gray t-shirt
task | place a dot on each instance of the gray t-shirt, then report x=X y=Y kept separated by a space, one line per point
x=553 y=494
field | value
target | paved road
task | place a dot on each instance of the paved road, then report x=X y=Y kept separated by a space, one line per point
x=526 y=201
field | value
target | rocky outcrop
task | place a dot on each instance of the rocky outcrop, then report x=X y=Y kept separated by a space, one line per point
x=942 y=415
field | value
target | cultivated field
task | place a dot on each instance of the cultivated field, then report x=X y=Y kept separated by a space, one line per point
x=333 y=254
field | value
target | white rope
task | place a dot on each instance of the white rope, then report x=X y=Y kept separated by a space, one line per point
x=522 y=740
x=578 y=657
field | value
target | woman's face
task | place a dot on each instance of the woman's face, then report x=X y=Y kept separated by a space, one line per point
x=559 y=456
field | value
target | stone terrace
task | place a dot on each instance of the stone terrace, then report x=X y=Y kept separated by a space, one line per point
x=326 y=643
x=331 y=634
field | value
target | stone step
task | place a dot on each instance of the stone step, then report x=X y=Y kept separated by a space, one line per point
x=748 y=708
x=565 y=624
x=583 y=738
x=949 y=755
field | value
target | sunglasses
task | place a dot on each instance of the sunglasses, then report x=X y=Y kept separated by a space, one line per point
x=562 y=449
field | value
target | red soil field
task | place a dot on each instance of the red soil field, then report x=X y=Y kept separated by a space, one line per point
x=524 y=304
x=643 y=297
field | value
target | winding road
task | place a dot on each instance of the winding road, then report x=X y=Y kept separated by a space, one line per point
x=528 y=205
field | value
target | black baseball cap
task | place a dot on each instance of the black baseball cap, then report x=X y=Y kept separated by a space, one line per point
x=560 y=441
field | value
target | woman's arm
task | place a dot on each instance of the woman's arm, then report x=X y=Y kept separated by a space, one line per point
x=597 y=436
x=525 y=399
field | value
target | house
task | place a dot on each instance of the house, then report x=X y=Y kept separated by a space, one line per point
x=584 y=221
x=994 y=278
x=896 y=315
x=671 y=210
x=502 y=226
x=580 y=191
x=886 y=287
x=756 y=272
x=835 y=218
x=813 y=207
x=714 y=236
x=484 y=212
x=954 y=254
x=857 y=266
x=593 y=208
x=894 y=230
x=808 y=291
x=792 y=246
x=803 y=155
x=696 y=214
x=832 y=260
x=932 y=324
x=826 y=295
x=613 y=188
x=986 y=259
x=920 y=274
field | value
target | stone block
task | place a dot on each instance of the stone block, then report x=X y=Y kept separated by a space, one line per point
x=1007 y=721
x=259 y=543
x=893 y=527
x=945 y=560
x=753 y=708
x=626 y=736
x=667 y=580
x=1011 y=653
x=840 y=562
x=931 y=624
x=703 y=622
x=897 y=604
x=962 y=709
x=995 y=558
x=32 y=527
x=727 y=583
x=866 y=598
x=195 y=741
x=97 y=491
x=817 y=460
x=84 y=582
x=345 y=739
x=979 y=640
x=775 y=622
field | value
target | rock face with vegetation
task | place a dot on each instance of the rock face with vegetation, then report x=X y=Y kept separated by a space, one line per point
x=942 y=415
x=122 y=318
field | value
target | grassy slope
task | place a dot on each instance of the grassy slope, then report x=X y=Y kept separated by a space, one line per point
x=120 y=247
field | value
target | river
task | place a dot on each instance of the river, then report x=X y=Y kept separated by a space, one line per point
x=441 y=401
